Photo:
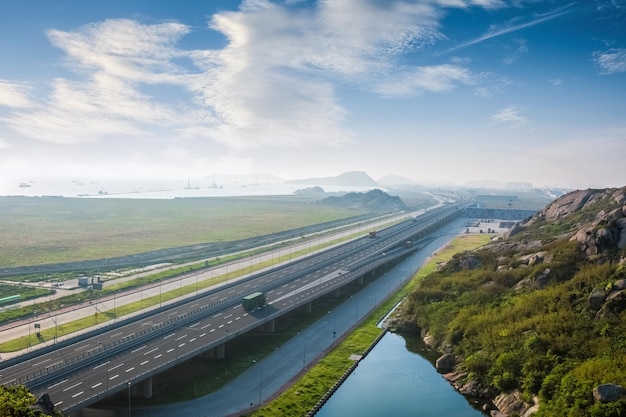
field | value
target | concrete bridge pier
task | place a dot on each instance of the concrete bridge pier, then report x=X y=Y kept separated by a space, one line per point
x=270 y=326
x=220 y=351
x=337 y=293
x=308 y=307
x=146 y=388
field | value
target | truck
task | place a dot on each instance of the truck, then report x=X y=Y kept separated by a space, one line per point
x=252 y=301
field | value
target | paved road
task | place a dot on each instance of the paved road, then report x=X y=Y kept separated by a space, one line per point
x=272 y=374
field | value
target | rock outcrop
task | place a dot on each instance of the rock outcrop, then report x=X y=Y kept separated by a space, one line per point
x=608 y=393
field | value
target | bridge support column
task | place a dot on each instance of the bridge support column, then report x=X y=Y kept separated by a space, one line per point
x=359 y=281
x=337 y=293
x=270 y=326
x=146 y=388
x=309 y=307
x=220 y=351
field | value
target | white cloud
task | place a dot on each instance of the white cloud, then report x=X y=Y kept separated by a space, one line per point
x=435 y=79
x=489 y=88
x=611 y=61
x=13 y=95
x=510 y=116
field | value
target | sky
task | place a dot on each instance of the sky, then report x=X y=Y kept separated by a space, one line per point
x=436 y=91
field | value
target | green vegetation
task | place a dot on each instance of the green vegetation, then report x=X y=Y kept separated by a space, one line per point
x=24 y=292
x=49 y=230
x=531 y=327
x=18 y=401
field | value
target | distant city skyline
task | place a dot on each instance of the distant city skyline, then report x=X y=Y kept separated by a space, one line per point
x=437 y=91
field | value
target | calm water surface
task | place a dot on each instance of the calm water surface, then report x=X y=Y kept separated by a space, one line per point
x=393 y=381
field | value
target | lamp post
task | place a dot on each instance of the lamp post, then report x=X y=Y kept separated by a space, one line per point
x=129 y=408
x=260 y=380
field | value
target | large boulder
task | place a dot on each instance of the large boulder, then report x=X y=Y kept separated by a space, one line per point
x=597 y=298
x=567 y=204
x=445 y=363
x=608 y=393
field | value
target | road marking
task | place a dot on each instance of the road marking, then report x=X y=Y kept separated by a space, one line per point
x=205 y=326
x=151 y=350
x=169 y=350
x=82 y=347
x=72 y=386
x=115 y=367
x=169 y=335
x=76 y=395
x=144 y=362
x=39 y=363
x=116 y=334
x=97 y=385
x=138 y=349
x=102 y=364
x=57 y=384
x=158 y=356
x=182 y=337
x=203 y=334
x=130 y=369
x=113 y=377
x=220 y=326
x=211 y=331
x=191 y=340
x=195 y=324
x=181 y=345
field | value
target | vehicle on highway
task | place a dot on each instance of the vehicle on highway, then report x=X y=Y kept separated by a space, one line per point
x=252 y=301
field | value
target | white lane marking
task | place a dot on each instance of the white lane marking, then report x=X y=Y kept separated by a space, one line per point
x=72 y=386
x=77 y=394
x=130 y=369
x=97 y=385
x=138 y=349
x=57 y=384
x=150 y=351
x=144 y=362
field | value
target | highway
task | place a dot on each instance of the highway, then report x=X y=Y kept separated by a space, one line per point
x=92 y=367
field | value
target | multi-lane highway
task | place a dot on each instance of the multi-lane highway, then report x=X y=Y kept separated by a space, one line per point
x=84 y=370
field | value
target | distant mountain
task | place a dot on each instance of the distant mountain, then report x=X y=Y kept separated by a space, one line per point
x=374 y=200
x=352 y=178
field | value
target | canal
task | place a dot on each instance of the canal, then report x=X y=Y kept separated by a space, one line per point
x=395 y=380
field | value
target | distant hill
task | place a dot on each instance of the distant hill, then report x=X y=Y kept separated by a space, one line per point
x=374 y=201
x=352 y=178
x=535 y=320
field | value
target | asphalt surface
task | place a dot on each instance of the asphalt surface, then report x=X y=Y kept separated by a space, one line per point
x=269 y=376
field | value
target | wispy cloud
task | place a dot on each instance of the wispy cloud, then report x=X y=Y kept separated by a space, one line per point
x=514 y=26
x=272 y=84
x=510 y=116
x=434 y=79
x=611 y=61
x=13 y=95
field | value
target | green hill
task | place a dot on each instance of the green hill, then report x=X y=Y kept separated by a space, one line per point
x=536 y=322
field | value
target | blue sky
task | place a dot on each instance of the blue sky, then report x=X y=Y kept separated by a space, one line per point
x=438 y=91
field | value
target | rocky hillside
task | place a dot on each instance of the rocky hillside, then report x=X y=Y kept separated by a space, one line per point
x=373 y=201
x=535 y=322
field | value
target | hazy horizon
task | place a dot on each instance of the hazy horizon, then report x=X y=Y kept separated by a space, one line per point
x=436 y=91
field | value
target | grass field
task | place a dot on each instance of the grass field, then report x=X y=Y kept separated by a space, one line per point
x=49 y=230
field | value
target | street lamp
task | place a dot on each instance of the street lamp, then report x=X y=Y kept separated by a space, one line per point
x=260 y=380
x=129 y=409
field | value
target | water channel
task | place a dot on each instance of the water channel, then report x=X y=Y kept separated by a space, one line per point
x=395 y=380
